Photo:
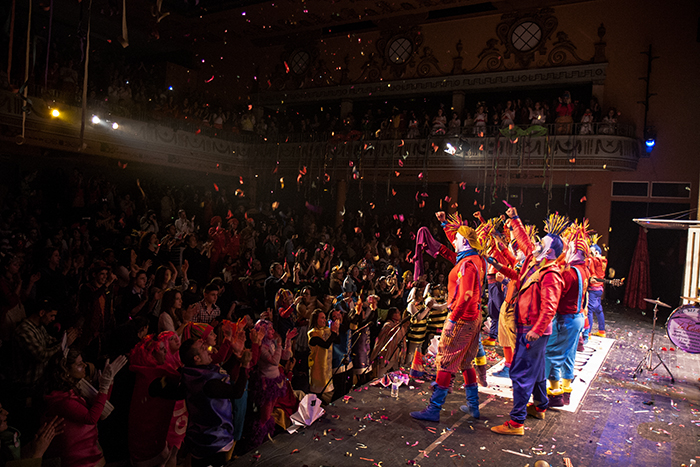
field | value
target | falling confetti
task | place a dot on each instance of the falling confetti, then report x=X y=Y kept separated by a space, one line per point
x=216 y=187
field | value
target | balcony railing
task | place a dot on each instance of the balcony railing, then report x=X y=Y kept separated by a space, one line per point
x=605 y=148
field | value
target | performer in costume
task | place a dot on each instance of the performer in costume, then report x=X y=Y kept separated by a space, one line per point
x=597 y=265
x=436 y=304
x=507 y=253
x=568 y=323
x=419 y=321
x=539 y=290
x=460 y=337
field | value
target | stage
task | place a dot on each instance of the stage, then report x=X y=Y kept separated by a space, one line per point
x=620 y=421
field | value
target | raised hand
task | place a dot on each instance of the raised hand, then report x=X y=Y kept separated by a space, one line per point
x=45 y=435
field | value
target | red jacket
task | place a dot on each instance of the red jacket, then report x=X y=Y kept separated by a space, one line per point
x=539 y=288
x=596 y=268
x=573 y=295
x=467 y=276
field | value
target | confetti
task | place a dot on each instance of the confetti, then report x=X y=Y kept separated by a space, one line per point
x=516 y=453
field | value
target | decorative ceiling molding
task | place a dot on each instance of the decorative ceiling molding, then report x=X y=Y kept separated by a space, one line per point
x=577 y=74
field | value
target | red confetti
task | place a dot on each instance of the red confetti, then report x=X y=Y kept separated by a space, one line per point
x=401 y=143
x=463 y=185
x=358 y=230
x=447 y=199
x=421 y=204
x=583 y=199
x=216 y=187
x=210 y=79
x=122 y=166
x=397 y=173
x=240 y=180
x=286 y=67
x=420 y=176
x=400 y=163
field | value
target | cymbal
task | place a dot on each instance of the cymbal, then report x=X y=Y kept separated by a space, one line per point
x=656 y=302
x=691 y=299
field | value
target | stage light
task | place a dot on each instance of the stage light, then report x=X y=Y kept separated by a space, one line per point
x=115 y=125
x=649 y=138
x=55 y=113
x=95 y=120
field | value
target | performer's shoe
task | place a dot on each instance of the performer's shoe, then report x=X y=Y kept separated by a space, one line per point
x=535 y=412
x=481 y=375
x=432 y=412
x=509 y=428
x=489 y=342
x=504 y=373
x=566 y=398
x=599 y=333
x=556 y=400
x=580 y=347
x=472 y=407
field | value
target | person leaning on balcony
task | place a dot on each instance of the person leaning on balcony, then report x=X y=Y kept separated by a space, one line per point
x=564 y=111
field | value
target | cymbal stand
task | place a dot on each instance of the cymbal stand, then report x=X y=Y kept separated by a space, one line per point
x=646 y=362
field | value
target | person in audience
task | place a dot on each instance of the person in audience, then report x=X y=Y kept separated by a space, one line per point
x=321 y=339
x=77 y=446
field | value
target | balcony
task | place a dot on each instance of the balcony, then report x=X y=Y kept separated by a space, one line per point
x=607 y=148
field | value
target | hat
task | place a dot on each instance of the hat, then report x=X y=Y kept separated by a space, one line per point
x=197 y=331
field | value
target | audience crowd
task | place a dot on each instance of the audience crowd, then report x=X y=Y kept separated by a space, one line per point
x=178 y=326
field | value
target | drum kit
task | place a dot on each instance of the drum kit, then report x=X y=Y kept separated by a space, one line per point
x=682 y=328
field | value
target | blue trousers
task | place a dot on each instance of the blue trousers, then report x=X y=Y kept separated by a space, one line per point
x=561 y=348
x=497 y=294
x=527 y=375
x=595 y=308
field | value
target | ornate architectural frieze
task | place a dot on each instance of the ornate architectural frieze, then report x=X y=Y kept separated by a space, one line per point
x=482 y=81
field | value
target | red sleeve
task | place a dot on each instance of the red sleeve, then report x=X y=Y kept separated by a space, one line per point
x=524 y=242
x=468 y=283
x=223 y=353
x=551 y=285
x=72 y=410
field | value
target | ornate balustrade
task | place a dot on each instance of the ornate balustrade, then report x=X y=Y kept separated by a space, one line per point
x=161 y=145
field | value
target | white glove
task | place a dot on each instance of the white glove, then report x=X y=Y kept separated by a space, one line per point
x=110 y=371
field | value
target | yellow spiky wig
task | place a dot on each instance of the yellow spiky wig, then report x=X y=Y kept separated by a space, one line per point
x=455 y=226
x=577 y=233
x=555 y=225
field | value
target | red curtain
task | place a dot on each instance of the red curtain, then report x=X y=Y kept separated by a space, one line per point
x=638 y=283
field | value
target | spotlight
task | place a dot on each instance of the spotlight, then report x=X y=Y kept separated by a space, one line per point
x=55 y=113
x=115 y=125
x=95 y=120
